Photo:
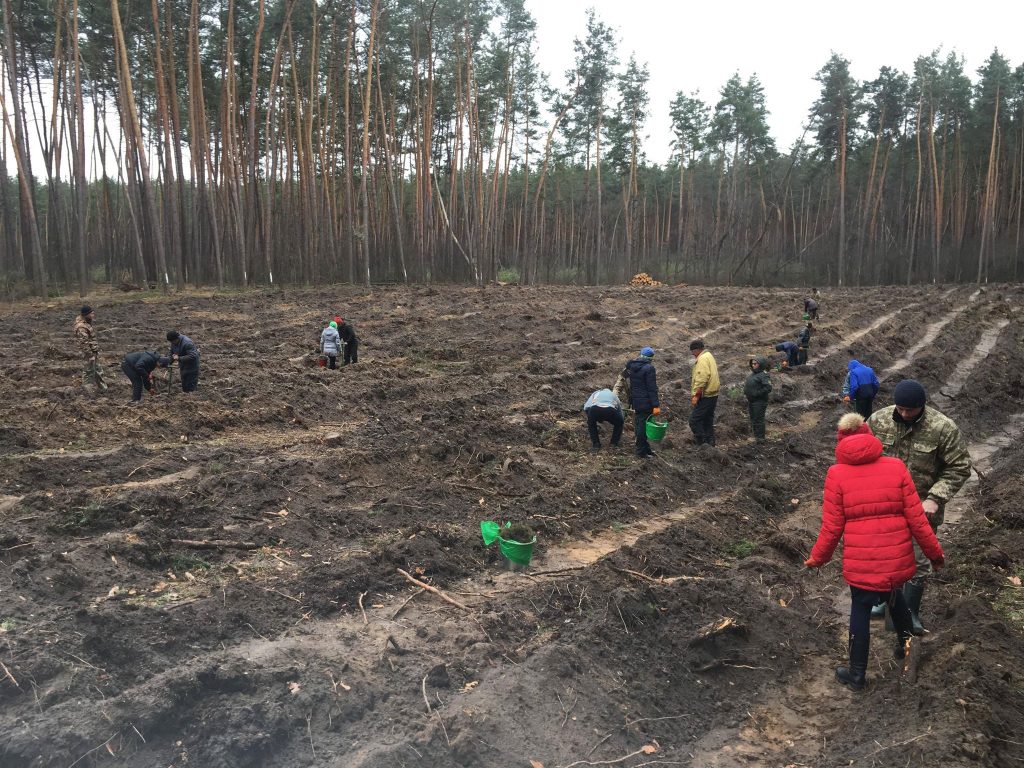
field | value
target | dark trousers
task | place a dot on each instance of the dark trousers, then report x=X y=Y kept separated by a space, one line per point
x=332 y=361
x=643 y=448
x=792 y=357
x=352 y=351
x=702 y=420
x=801 y=356
x=607 y=415
x=861 y=603
x=864 y=405
x=189 y=380
x=757 y=410
x=138 y=382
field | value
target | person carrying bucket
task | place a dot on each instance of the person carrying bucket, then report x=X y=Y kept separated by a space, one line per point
x=330 y=344
x=643 y=392
x=603 y=405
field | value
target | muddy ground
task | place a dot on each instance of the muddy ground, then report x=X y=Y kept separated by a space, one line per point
x=297 y=642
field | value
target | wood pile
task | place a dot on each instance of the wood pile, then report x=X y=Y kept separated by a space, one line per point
x=643 y=279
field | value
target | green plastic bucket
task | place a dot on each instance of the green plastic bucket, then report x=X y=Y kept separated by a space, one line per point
x=515 y=551
x=656 y=429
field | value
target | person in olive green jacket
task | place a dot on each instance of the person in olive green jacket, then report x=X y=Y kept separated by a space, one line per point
x=935 y=452
x=756 y=389
x=704 y=386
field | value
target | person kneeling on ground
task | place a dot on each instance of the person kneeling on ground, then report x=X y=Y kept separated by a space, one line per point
x=330 y=344
x=791 y=349
x=138 y=367
x=643 y=391
x=185 y=353
x=603 y=405
x=870 y=502
x=756 y=388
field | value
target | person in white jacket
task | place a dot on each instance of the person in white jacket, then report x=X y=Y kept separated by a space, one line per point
x=330 y=344
x=603 y=405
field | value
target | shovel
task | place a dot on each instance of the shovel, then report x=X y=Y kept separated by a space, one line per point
x=170 y=377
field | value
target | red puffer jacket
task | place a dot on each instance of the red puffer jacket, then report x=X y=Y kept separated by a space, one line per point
x=870 y=502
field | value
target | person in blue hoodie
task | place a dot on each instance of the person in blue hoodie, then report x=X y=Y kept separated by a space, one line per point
x=604 y=406
x=860 y=387
x=643 y=389
x=791 y=349
x=185 y=353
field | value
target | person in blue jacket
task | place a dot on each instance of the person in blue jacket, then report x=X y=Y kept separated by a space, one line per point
x=860 y=387
x=791 y=349
x=185 y=353
x=138 y=367
x=604 y=406
x=643 y=388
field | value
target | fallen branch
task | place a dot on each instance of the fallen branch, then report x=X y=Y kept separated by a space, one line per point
x=434 y=590
x=659 y=579
x=646 y=749
x=7 y=674
x=363 y=610
x=215 y=544
x=408 y=600
x=556 y=571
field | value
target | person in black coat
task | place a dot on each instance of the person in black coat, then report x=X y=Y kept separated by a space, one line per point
x=138 y=367
x=348 y=337
x=643 y=392
x=185 y=353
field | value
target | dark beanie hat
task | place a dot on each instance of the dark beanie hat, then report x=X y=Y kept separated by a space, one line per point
x=86 y=309
x=909 y=394
x=172 y=335
x=696 y=344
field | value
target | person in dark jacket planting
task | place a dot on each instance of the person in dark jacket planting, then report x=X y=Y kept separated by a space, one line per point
x=756 y=388
x=791 y=350
x=139 y=367
x=348 y=337
x=185 y=353
x=811 y=308
x=871 y=503
x=643 y=387
x=803 y=343
x=860 y=387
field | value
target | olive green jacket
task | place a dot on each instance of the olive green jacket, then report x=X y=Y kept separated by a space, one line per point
x=932 y=448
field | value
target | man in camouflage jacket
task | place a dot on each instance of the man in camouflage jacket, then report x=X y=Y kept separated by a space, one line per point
x=934 y=450
x=85 y=335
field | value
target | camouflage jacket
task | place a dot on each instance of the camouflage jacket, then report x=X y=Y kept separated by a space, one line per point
x=932 y=448
x=86 y=337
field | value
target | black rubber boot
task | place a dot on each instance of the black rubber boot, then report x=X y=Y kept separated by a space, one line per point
x=912 y=593
x=854 y=676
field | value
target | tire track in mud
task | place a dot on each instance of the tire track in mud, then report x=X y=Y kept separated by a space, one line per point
x=931 y=332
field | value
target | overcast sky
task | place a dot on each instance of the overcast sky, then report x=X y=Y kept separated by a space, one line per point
x=691 y=45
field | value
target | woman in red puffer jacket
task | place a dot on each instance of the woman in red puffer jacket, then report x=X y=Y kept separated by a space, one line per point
x=870 y=502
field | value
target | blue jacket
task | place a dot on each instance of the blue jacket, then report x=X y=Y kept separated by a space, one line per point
x=603 y=398
x=860 y=381
x=142 y=363
x=643 y=385
x=187 y=352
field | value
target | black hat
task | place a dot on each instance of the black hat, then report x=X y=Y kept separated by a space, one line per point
x=86 y=309
x=696 y=344
x=909 y=394
x=173 y=335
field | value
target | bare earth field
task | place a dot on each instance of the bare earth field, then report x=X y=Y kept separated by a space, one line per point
x=297 y=642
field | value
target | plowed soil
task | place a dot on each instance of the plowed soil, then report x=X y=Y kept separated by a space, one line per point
x=666 y=618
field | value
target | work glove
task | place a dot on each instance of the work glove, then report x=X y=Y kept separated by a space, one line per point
x=846 y=399
x=810 y=562
x=937 y=565
x=656 y=411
